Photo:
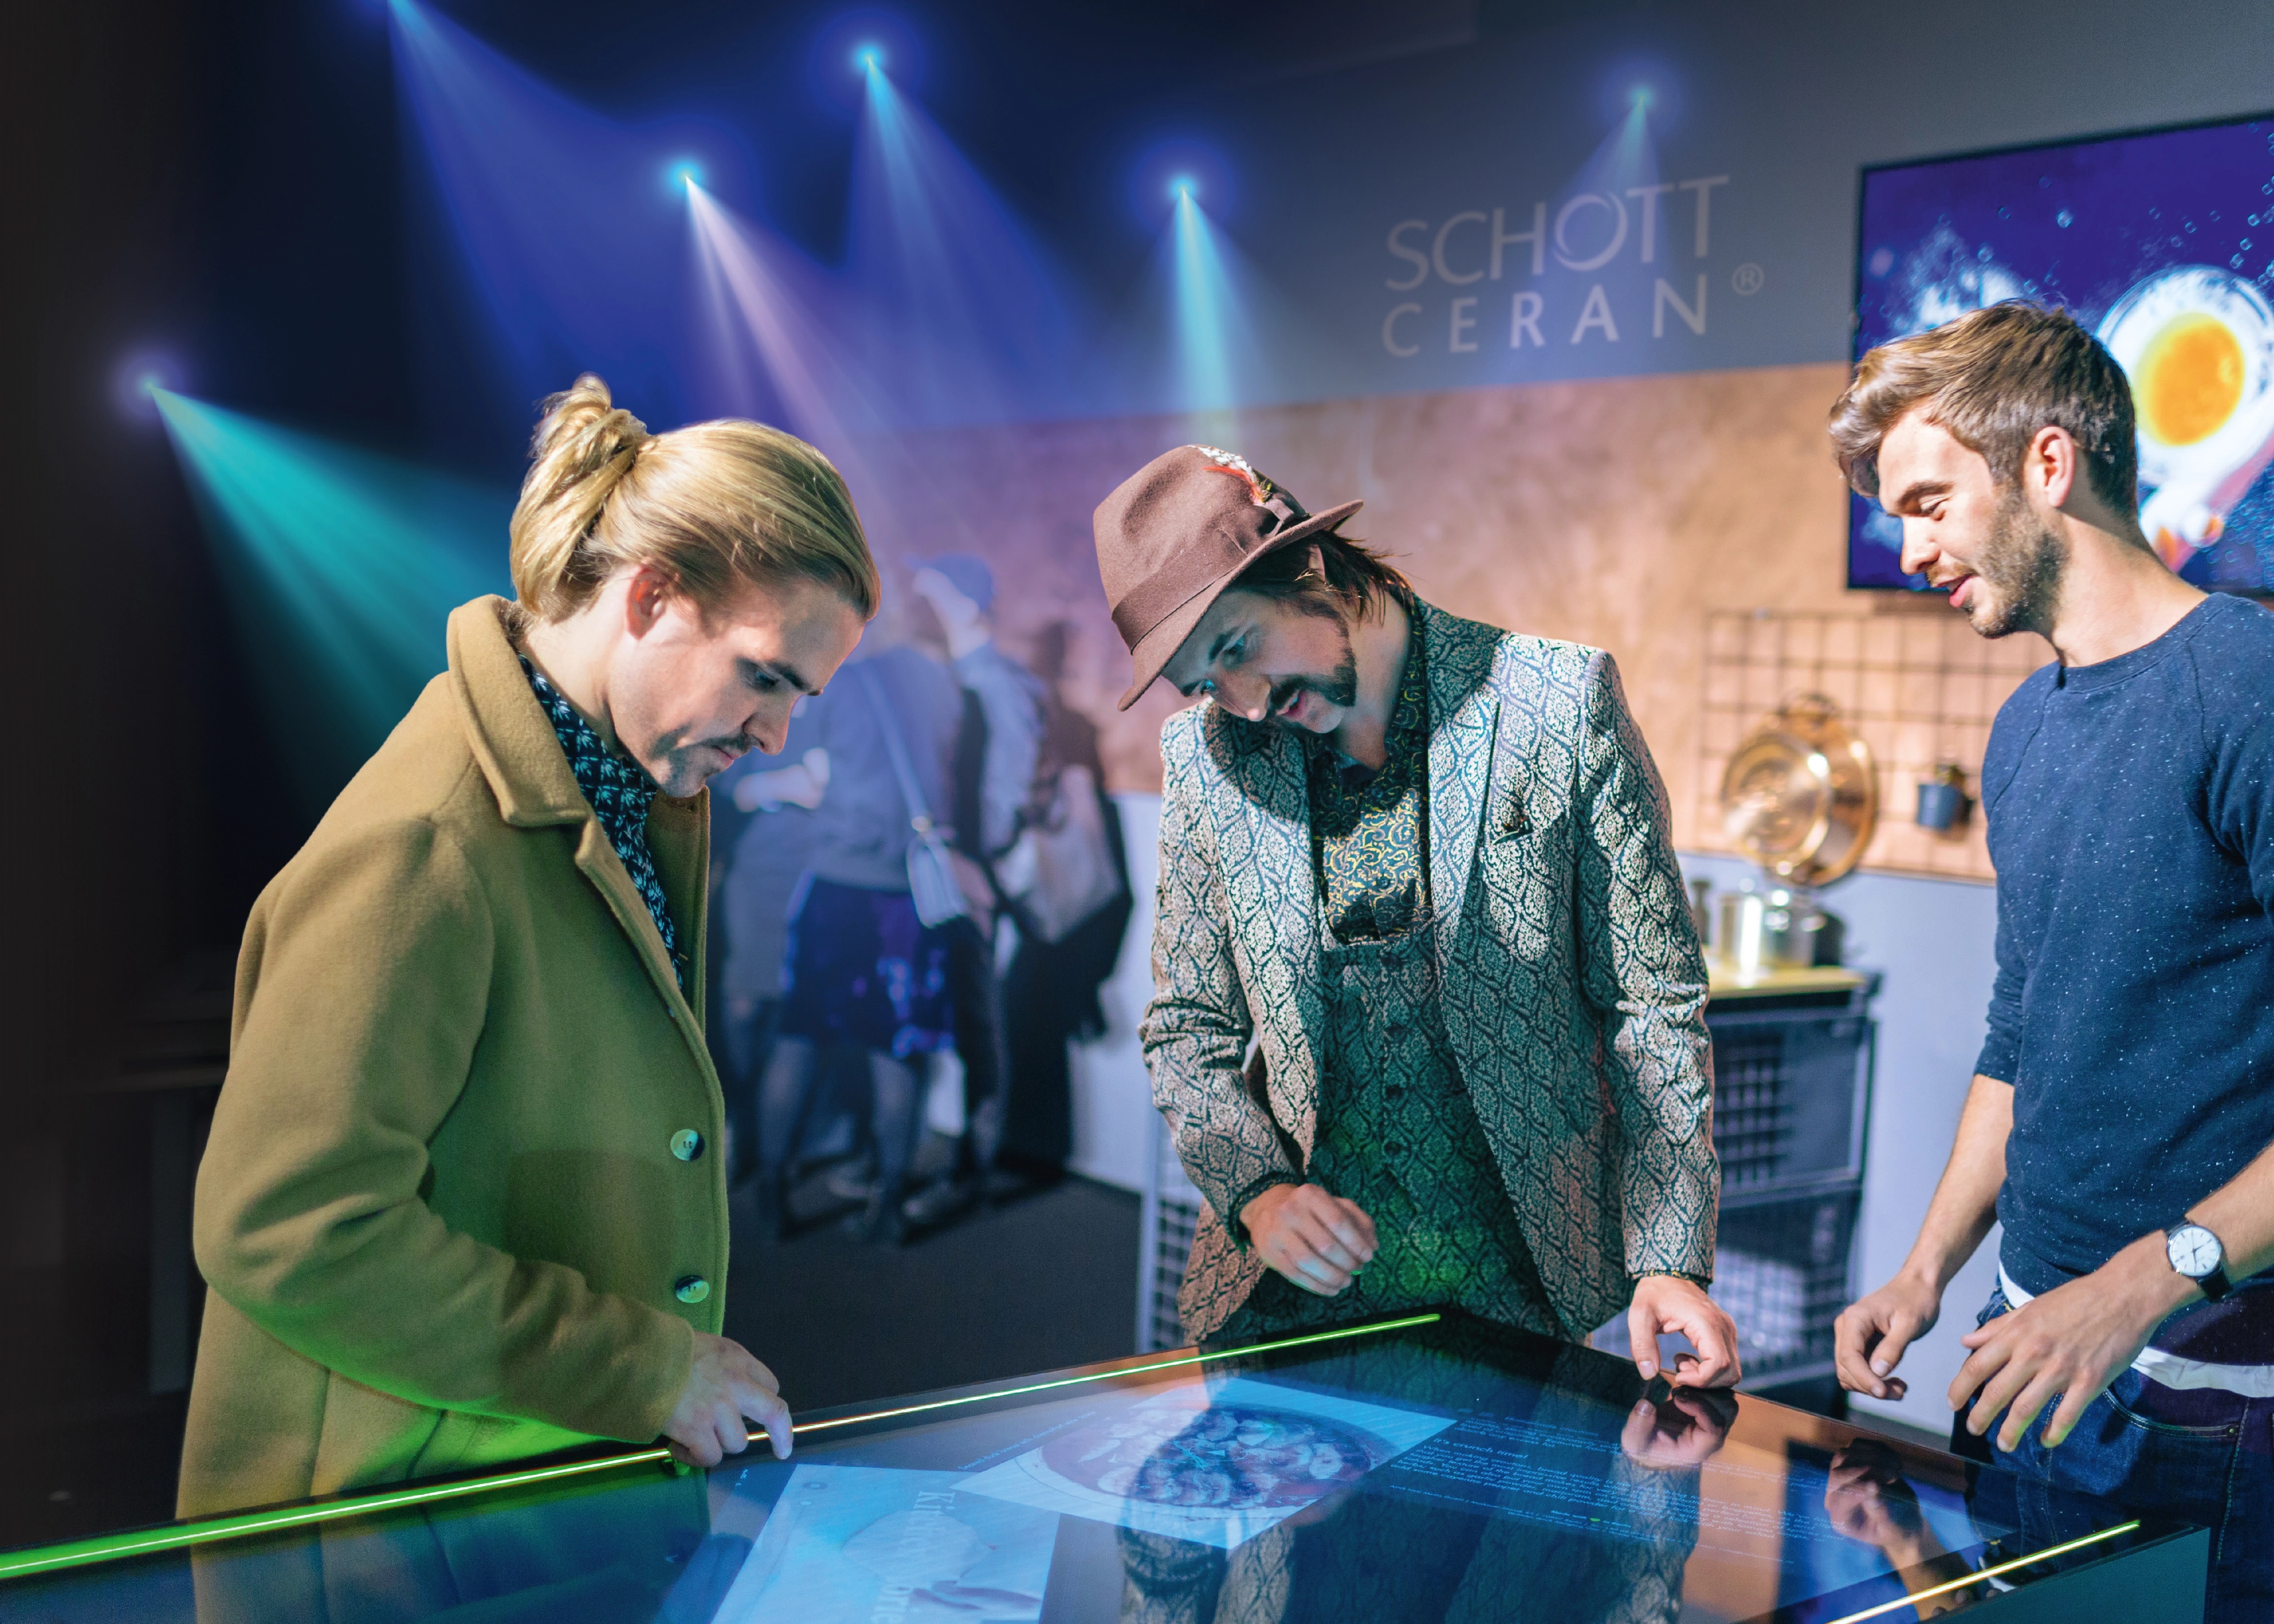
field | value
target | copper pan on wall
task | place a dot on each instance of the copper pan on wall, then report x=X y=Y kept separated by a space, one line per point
x=1800 y=797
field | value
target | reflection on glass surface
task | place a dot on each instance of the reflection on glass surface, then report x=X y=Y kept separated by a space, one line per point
x=1451 y=1471
x=1869 y=1501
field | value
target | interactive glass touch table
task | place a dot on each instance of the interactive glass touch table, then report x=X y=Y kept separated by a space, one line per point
x=1421 y=1469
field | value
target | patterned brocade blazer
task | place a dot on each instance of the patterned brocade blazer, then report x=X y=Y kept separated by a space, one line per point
x=1573 y=986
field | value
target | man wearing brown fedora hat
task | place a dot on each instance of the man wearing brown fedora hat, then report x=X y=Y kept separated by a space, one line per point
x=1423 y=866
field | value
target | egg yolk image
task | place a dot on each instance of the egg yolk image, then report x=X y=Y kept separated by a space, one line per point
x=2189 y=380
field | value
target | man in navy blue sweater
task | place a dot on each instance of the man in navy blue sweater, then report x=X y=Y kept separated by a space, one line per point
x=2120 y=1121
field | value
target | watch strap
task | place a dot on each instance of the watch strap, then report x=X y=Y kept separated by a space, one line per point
x=2215 y=1285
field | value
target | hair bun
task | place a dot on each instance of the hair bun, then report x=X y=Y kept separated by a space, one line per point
x=584 y=436
x=713 y=507
x=585 y=446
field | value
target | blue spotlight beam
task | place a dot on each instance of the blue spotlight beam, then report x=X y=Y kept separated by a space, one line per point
x=764 y=302
x=969 y=316
x=559 y=215
x=341 y=566
x=761 y=298
x=1203 y=293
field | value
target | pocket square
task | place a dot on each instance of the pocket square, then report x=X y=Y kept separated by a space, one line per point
x=1515 y=820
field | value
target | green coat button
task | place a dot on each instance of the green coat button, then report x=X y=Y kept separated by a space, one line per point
x=691 y=1287
x=687 y=1144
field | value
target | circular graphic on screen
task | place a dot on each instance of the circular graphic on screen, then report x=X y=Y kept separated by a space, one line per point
x=1234 y=1457
x=2198 y=345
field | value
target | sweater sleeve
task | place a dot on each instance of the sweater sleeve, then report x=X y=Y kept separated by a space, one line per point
x=1012 y=704
x=362 y=993
x=2001 y=1048
x=2017 y=724
x=2238 y=723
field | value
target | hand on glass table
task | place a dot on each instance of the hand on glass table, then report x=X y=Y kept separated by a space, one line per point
x=1317 y=1240
x=1870 y=1334
x=1668 y=1303
x=725 y=1388
x=1682 y=1429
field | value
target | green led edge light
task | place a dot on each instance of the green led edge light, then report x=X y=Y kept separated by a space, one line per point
x=1988 y=1572
x=111 y=1547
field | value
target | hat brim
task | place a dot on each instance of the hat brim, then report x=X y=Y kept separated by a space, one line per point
x=1156 y=648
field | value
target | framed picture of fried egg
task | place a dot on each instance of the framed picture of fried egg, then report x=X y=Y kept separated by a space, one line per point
x=2162 y=242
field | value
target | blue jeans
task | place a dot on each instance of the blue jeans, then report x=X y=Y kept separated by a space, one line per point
x=2201 y=1456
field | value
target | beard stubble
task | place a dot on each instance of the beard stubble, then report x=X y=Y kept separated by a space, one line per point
x=2023 y=561
x=1337 y=687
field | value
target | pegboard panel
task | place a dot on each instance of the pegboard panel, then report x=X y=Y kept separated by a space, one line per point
x=1921 y=689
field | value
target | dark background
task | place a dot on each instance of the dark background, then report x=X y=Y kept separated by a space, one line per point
x=226 y=182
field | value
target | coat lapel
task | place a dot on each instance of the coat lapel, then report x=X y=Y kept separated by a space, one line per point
x=596 y=860
x=1264 y=840
x=520 y=756
x=1463 y=714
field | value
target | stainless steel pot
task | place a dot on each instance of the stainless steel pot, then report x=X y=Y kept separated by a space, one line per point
x=1772 y=929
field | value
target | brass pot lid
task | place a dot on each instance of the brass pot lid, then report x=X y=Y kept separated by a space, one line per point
x=1800 y=797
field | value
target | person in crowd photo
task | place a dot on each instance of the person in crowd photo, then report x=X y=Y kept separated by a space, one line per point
x=768 y=810
x=2120 y=1118
x=994 y=774
x=1070 y=904
x=463 y=1202
x=1423 y=866
x=869 y=966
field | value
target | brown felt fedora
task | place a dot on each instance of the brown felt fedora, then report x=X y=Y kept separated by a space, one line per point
x=1179 y=530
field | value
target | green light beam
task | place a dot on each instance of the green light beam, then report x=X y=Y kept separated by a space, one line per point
x=2001 y=1569
x=341 y=566
x=147 y=1542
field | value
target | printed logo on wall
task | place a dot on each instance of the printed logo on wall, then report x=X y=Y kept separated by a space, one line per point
x=1601 y=266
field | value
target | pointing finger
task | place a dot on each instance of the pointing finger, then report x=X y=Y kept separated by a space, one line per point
x=773 y=1417
x=1853 y=1336
x=1711 y=1334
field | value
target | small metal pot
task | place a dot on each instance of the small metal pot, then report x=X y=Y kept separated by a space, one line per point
x=1773 y=929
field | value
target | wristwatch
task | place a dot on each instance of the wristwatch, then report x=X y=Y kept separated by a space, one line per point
x=2195 y=1252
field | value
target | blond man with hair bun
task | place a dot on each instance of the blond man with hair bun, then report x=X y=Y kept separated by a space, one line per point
x=465 y=1201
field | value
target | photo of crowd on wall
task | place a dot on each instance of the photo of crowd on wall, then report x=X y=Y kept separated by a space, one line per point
x=913 y=907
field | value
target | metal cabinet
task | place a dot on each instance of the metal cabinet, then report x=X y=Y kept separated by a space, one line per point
x=1792 y=1103
x=1164 y=1240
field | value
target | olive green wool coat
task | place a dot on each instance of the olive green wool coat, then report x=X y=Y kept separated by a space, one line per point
x=440 y=1213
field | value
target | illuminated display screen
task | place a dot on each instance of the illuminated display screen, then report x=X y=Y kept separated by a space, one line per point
x=2162 y=243
x=1428 y=1471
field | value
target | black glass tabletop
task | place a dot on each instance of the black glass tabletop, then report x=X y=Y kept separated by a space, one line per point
x=1425 y=1469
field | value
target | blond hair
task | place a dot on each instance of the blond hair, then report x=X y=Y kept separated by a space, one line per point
x=715 y=507
x=1994 y=378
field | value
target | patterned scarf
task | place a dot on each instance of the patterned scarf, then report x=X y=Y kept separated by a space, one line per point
x=1369 y=829
x=620 y=793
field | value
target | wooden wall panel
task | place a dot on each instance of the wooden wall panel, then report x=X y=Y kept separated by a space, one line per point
x=1614 y=513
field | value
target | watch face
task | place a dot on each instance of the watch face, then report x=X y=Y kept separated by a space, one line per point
x=2193 y=1251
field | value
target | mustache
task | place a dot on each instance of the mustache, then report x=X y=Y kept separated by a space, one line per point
x=1337 y=687
x=736 y=745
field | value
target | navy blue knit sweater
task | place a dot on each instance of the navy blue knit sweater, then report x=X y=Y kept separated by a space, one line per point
x=2131 y=818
